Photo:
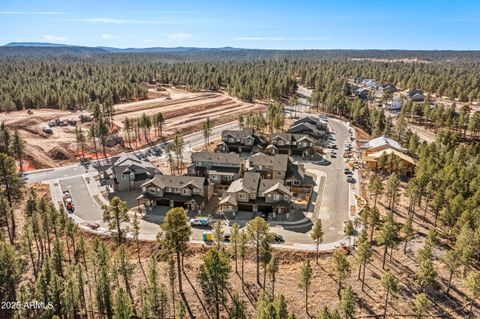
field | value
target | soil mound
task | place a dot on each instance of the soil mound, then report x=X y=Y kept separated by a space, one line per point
x=60 y=153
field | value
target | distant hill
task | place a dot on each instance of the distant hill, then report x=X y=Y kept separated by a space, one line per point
x=36 y=49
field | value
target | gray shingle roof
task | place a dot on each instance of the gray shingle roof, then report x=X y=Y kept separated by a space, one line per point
x=210 y=157
x=238 y=133
x=163 y=181
x=278 y=162
x=383 y=140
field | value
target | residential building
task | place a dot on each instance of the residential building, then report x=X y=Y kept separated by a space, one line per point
x=394 y=104
x=219 y=168
x=238 y=141
x=309 y=125
x=387 y=87
x=189 y=192
x=362 y=93
x=415 y=95
x=292 y=144
x=252 y=193
x=126 y=172
x=383 y=152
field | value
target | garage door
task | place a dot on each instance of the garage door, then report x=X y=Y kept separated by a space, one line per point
x=245 y=208
x=163 y=202
x=265 y=208
x=178 y=204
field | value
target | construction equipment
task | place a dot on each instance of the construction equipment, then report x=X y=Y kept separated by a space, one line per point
x=68 y=202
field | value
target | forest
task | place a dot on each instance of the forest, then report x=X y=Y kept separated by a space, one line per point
x=74 y=80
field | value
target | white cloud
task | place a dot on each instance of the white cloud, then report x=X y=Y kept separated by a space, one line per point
x=53 y=38
x=32 y=12
x=117 y=21
x=106 y=36
x=179 y=36
x=278 y=38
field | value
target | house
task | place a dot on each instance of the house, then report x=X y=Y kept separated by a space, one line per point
x=415 y=95
x=387 y=87
x=126 y=172
x=252 y=193
x=189 y=192
x=219 y=168
x=291 y=144
x=244 y=140
x=309 y=125
x=362 y=93
x=370 y=83
x=381 y=149
x=269 y=167
x=394 y=104
x=357 y=79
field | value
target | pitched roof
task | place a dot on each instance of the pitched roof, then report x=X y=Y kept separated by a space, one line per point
x=210 y=157
x=248 y=184
x=243 y=133
x=378 y=154
x=130 y=159
x=278 y=162
x=270 y=185
x=163 y=181
x=228 y=199
x=383 y=140
x=302 y=126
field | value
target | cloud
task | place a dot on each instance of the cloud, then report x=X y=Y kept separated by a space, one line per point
x=117 y=21
x=279 y=39
x=53 y=38
x=32 y=12
x=179 y=36
x=106 y=36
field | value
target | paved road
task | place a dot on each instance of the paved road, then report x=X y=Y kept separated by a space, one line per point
x=85 y=206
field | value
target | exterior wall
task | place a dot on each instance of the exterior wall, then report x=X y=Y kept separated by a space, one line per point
x=274 y=197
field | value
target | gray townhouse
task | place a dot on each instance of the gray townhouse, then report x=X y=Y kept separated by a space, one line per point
x=255 y=194
x=189 y=192
x=238 y=141
x=219 y=168
x=126 y=172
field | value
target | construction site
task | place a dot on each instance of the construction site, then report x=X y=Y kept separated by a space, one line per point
x=50 y=137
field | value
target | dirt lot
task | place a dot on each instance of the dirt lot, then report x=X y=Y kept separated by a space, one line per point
x=184 y=112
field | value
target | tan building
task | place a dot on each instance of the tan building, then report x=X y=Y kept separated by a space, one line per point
x=381 y=149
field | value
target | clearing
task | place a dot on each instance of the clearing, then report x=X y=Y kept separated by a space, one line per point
x=184 y=112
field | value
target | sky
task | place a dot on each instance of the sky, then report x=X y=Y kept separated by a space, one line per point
x=280 y=24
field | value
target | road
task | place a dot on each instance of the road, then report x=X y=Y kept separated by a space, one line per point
x=334 y=198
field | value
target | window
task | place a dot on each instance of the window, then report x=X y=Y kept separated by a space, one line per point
x=238 y=139
x=196 y=190
x=285 y=197
x=296 y=183
x=231 y=140
x=152 y=190
x=261 y=194
x=169 y=189
x=185 y=191
x=276 y=197
x=241 y=195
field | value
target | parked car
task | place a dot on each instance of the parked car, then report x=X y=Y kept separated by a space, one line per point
x=47 y=130
x=346 y=171
x=350 y=179
x=276 y=238
x=200 y=221
x=51 y=123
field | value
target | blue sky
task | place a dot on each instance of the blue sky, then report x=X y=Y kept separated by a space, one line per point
x=342 y=24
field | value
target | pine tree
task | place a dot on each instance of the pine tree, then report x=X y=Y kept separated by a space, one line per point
x=123 y=308
x=306 y=280
x=18 y=149
x=175 y=237
x=375 y=188
x=257 y=229
x=317 y=235
x=472 y=283
x=237 y=310
x=421 y=305
x=114 y=215
x=348 y=302
x=234 y=239
x=214 y=273
x=388 y=236
x=389 y=283
x=363 y=257
x=408 y=232
x=273 y=266
x=341 y=267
